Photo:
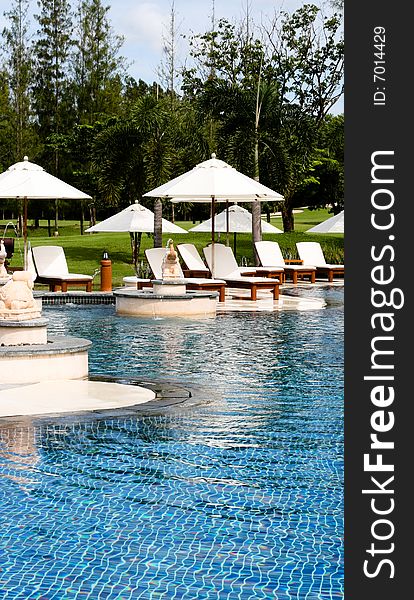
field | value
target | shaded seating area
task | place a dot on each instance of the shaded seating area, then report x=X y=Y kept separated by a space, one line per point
x=224 y=265
x=50 y=267
x=195 y=264
x=311 y=253
x=270 y=255
x=155 y=256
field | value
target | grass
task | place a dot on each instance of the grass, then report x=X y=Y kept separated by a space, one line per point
x=84 y=252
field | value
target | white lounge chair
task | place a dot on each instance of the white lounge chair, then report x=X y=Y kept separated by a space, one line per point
x=52 y=269
x=155 y=256
x=270 y=255
x=194 y=264
x=225 y=266
x=136 y=282
x=312 y=254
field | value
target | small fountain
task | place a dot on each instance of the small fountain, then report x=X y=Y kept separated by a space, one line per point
x=26 y=353
x=168 y=296
x=41 y=374
x=44 y=375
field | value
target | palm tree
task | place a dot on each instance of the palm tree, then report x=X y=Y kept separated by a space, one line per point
x=136 y=154
x=248 y=132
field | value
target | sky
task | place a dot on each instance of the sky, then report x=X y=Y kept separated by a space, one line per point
x=144 y=23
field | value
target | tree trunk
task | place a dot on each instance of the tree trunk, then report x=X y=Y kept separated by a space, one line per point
x=256 y=228
x=287 y=217
x=157 y=223
x=92 y=215
x=82 y=218
x=20 y=215
x=56 y=217
x=257 y=206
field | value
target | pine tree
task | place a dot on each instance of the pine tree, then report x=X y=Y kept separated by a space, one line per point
x=168 y=70
x=51 y=52
x=52 y=103
x=18 y=72
x=96 y=64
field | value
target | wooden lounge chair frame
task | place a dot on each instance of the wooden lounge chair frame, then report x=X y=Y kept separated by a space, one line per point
x=56 y=282
x=322 y=267
x=193 y=265
x=196 y=267
x=292 y=267
x=238 y=277
x=248 y=283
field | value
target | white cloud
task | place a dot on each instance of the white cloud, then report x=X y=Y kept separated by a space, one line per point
x=142 y=24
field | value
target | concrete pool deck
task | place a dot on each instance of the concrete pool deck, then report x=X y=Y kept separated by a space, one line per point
x=237 y=300
x=70 y=396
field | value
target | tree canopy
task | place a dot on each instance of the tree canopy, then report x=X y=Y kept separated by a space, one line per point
x=259 y=95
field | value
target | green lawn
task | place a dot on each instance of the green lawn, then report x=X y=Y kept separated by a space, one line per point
x=84 y=252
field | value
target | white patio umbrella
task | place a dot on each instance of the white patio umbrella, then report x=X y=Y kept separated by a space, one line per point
x=211 y=181
x=234 y=219
x=334 y=224
x=134 y=219
x=27 y=181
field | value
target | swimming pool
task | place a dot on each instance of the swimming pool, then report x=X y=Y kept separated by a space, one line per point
x=239 y=497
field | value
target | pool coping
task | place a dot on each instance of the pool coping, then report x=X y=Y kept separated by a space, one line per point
x=79 y=297
x=170 y=396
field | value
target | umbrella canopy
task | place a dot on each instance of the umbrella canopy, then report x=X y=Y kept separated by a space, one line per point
x=28 y=181
x=239 y=221
x=134 y=218
x=214 y=179
x=334 y=224
x=211 y=181
x=235 y=219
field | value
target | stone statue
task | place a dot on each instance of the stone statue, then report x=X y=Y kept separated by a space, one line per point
x=170 y=264
x=16 y=298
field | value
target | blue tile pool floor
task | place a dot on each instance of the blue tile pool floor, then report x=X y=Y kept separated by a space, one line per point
x=240 y=497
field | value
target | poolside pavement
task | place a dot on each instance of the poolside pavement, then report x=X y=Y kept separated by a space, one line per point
x=70 y=396
x=237 y=300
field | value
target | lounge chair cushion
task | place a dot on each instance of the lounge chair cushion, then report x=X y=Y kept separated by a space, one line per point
x=132 y=280
x=192 y=258
x=225 y=264
x=312 y=254
x=48 y=265
x=270 y=255
x=50 y=261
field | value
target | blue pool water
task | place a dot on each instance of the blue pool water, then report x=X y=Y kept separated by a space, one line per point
x=239 y=497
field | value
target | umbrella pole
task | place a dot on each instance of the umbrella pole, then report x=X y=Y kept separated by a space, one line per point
x=227 y=223
x=234 y=243
x=213 y=210
x=25 y=257
x=135 y=251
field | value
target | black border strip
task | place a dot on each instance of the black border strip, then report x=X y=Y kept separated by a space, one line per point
x=378 y=120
